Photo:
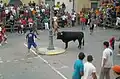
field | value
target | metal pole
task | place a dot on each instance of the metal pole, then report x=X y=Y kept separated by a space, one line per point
x=51 y=45
x=73 y=5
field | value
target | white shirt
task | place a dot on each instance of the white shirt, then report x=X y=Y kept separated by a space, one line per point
x=0 y=29
x=31 y=9
x=43 y=10
x=108 y=55
x=14 y=11
x=1 y=4
x=89 y=68
x=63 y=17
x=73 y=17
x=55 y=18
x=11 y=8
x=6 y=11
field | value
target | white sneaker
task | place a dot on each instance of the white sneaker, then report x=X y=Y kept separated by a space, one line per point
x=6 y=42
x=0 y=44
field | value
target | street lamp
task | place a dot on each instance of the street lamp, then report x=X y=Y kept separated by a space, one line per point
x=73 y=5
x=51 y=45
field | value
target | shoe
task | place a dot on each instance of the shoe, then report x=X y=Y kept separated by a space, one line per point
x=6 y=42
x=0 y=44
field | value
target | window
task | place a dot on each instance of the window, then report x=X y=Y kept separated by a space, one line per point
x=94 y=5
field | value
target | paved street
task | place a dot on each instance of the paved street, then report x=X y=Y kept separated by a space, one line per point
x=14 y=64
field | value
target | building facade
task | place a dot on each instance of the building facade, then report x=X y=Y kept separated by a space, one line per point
x=78 y=4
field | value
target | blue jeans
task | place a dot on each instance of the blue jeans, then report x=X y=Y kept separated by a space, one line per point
x=83 y=25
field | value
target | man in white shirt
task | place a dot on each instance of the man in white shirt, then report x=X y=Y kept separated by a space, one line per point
x=63 y=20
x=107 y=61
x=73 y=19
x=118 y=21
x=0 y=29
x=89 y=69
x=1 y=4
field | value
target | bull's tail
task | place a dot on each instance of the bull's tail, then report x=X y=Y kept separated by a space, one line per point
x=83 y=41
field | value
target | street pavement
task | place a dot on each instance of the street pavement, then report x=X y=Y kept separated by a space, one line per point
x=14 y=64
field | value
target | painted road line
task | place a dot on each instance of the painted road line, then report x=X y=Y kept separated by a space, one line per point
x=8 y=61
x=45 y=61
x=22 y=59
x=63 y=67
x=1 y=60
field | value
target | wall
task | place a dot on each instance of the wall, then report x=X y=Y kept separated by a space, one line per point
x=82 y=4
x=69 y=5
x=24 y=1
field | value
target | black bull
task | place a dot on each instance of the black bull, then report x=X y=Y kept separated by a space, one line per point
x=71 y=36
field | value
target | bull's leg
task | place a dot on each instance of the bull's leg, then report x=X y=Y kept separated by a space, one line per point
x=66 y=45
x=79 y=46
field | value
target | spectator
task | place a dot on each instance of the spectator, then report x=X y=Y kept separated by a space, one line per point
x=119 y=49
x=30 y=22
x=1 y=38
x=112 y=42
x=79 y=67
x=46 y=23
x=89 y=69
x=107 y=61
x=116 y=70
x=4 y=34
x=73 y=16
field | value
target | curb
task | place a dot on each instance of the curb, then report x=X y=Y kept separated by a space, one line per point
x=118 y=54
x=45 y=51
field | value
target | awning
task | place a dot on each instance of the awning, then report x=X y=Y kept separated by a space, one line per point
x=15 y=2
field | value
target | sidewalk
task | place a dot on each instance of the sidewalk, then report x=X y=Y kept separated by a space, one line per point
x=56 y=51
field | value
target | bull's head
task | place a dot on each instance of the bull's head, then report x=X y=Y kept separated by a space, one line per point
x=60 y=35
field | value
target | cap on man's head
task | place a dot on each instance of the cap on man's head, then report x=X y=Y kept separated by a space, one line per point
x=116 y=68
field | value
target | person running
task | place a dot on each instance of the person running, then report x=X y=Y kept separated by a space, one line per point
x=89 y=69
x=116 y=70
x=30 y=39
x=107 y=61
x=79 y=67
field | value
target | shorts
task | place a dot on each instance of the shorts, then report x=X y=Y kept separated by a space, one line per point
x=32 y=44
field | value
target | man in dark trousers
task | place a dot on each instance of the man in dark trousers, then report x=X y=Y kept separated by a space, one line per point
x=30 y=38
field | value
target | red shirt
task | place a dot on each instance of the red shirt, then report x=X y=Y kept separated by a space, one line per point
x=23 y=22
x=3 y=30
x=83 y=19
x=30 y=20
x=111 y=41
x=1 y=36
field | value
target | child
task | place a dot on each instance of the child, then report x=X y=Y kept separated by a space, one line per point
x=116 y=69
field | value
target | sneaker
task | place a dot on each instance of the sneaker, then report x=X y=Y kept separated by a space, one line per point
x=0 y=44
x=6 y=42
